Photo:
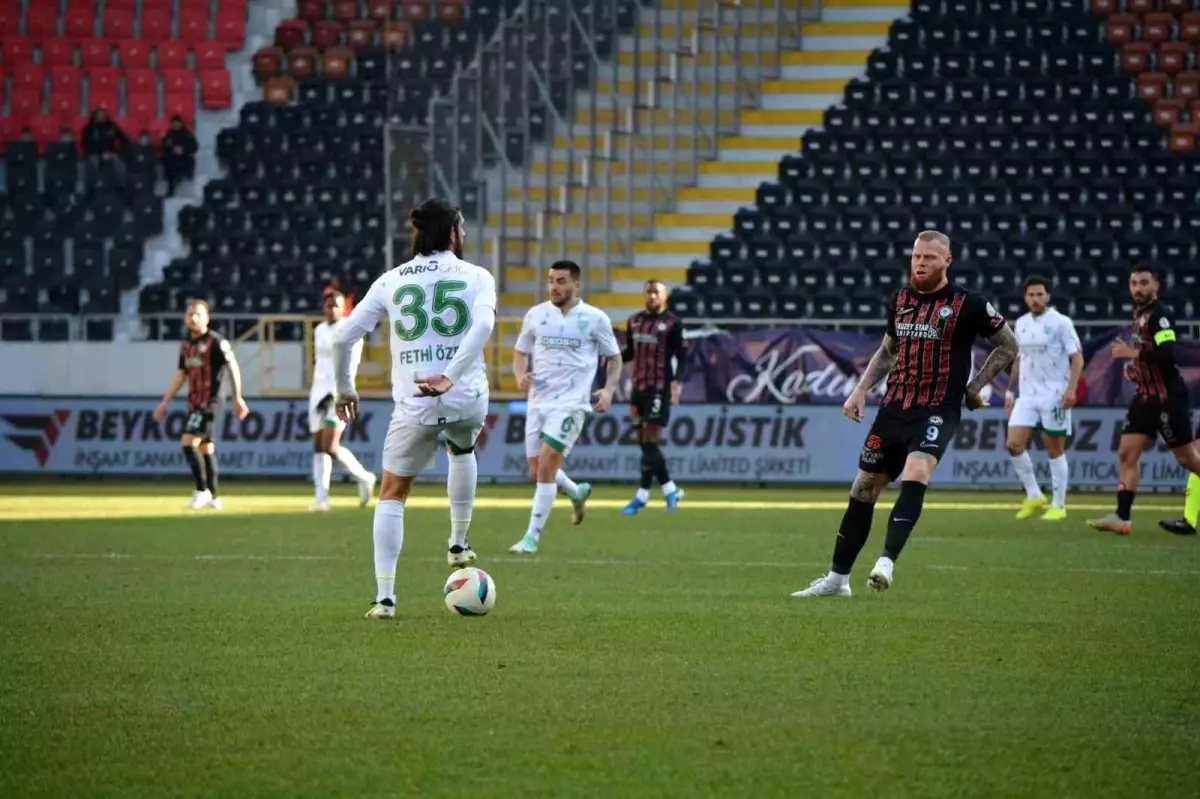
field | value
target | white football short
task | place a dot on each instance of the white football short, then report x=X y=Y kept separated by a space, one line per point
x=558 y=427
x=410 y=447
x=318 y=418
x=1047 y=415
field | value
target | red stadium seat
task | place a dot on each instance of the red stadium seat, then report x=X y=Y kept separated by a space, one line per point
x=1102 y=8
x=156 y=25
x=103 y=95
x=10 y=130
x=65 y=83
x=193 y=26
x=1119 y=28
x=1139 y=6
x=1168 y=112
x=141 y=80
x=178 y=80
x=80 y=23
x=41 y=20
x=95 y=53
x=1135 y=57
x=312 y=11
x=10 y=18
x=118 y=23
x=171 y=55
x=231 y=7
x=345 y=10
x=168 y=5
x=58 y=52
x=1187 y=86
x=396 y=35
x=231 y=29
x=133 y=54
x=1157 y=27
x=327 y=33
x=3 y=87
x=266 y=63
x=134 y=126
x=181 y=104
x=29 y=76
x=158 y=129
x=302 y=63
x=142 y=104
x=450 y=10
x=1173 y=57
x=107 y=77
x=210 y=55
x=381 y=10
x=291 y=33
x=361 y=33
x=1189 y=27
x=1152 y=86
x=16 y=50
x=278 y=91
x=122 y=4
x=1182 y=138
x=45 y=129
x=216 y=89
x=415 y=10
x=25 y=102
x=1176 y=7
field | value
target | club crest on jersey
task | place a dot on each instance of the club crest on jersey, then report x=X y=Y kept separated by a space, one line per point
x=945 y=312
x=1164 y=323
x=663 y=326
x=203 y=348
x=583 y=325
x=935 y=420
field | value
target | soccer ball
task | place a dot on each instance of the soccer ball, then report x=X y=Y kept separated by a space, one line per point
x=470 y=592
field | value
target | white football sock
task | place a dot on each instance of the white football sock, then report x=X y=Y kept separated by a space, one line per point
x=1023 y=466
x=543 y=501
x=669 y=487
x=1060 y=475
x=642 y=495
x=351 y=465
x=565 y=483
x=389 y=540
x=322 y=468
x=460 y=488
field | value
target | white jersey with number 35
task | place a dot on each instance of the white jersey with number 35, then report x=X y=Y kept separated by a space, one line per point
x=429 y=303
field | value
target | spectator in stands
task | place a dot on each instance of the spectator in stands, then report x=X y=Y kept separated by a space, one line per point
x=178 y=154
x=103 y=141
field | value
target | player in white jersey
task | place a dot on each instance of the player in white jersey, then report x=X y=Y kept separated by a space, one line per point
x=324 y=425
x=1041 y=393
x=565 y=338
x=440 y=311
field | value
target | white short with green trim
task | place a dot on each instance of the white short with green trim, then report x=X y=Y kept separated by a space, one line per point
x=1047 y=415
x=557 y=427
x=410 y=446
x=319 y=420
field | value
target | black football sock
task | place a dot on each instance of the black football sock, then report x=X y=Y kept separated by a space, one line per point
x=852 y=535
x=1125 y=503
x=658 y=462
x=647 y=467
x=210 y=466
x=196 y=465
x=905 y=514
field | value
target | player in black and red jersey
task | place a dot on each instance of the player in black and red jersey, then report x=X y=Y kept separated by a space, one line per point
x=203 y=356
x=1161 y=407
x=926 y=358
x=654 y=343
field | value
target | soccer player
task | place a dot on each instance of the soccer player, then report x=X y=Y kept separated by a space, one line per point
x=926 y=358
x=1046 y=373
x=323 y=422
x=203 y=356
x=654 y=342
x=564 y=336
x=441 y=311
x=1161 y=406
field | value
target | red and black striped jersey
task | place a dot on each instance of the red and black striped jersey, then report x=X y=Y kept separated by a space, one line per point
x=935 y=333
x=1156 y=372
x=654 y=342
x=203 y=358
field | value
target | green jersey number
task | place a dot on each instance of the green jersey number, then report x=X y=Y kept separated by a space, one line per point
x=449 y=312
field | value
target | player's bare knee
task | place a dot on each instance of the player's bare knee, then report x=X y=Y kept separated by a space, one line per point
x=208 y=447
x=395 y=487
x=918 y=468
x=867 y=487
x=1015 y=448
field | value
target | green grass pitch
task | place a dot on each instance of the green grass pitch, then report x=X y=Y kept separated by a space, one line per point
x=148 y=652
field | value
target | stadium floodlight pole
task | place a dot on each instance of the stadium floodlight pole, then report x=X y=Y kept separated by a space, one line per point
x=390 y=217
x=589 y=44
x=672 y=78
x=526 y=137
x=562 y=209
x=614 y=12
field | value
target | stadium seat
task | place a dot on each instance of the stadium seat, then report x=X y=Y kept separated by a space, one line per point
x=16 y=51
x=65 y=83
x=41 y=20
x=192 y=26
x=133 y=54
x=230 y=28
x=267 y=63
x=58 y=52
x=95 y=53
x=155 y=25
x=79 y=23
x=118 y=23
x=210 y=55
x=171 y=55
x=182 y=104
x=215 y=89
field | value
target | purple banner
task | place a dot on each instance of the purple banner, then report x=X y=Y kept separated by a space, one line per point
x=800 y=366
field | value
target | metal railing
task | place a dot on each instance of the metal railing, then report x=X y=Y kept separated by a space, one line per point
x=551 y=141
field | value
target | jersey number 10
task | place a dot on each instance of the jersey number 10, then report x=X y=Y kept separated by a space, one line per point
x=413 y=310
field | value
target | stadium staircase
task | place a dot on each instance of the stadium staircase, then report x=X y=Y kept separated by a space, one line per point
x=763 y=117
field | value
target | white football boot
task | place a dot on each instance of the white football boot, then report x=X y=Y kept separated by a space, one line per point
x=828 y=585
x=318 y=506
x=881 y=575
x=200 y=500
x=366 y=489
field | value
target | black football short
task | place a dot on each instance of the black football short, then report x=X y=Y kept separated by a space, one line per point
x=1171 y=419
x=650 y=407
x=896 y=432
x=199 y=424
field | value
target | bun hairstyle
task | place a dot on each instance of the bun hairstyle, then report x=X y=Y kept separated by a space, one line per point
x=433 y=222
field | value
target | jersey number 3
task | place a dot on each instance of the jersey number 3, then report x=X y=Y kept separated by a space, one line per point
x=450 y=314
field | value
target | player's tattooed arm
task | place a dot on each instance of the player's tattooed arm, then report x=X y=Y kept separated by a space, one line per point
x=1004 y=352
x=880 y=365
x=612 y=372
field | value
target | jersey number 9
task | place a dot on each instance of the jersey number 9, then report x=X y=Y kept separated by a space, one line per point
x=411 y=300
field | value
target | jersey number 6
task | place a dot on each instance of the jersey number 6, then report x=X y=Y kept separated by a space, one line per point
x=411 y=300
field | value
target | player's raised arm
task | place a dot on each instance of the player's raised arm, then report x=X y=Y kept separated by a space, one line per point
x=521 y=350
x=991 y=325
x=346 y=336
x=470 y=348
